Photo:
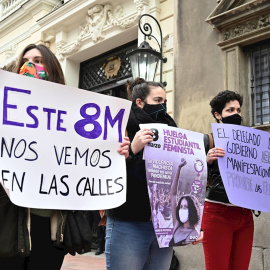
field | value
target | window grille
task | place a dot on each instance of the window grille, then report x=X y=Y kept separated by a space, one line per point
x=92 y=73
x=260 y=83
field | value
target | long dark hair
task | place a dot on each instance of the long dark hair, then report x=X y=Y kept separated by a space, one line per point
x=50 y=61
x=194 y=209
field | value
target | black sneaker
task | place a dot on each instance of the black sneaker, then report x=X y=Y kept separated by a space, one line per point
x=98 y=252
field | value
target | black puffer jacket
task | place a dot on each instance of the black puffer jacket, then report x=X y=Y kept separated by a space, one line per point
x=215 y=190
x=137 y=205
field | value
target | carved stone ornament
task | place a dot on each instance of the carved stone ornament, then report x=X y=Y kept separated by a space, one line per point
x=247 y=27
x=10 y=52
x=240 y=21
x=140 y=4
x=97 y=18
x=112 y=66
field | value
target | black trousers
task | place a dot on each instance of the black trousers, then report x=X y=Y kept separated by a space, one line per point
x=43 y=256
x=94 y=218
x=13 y=263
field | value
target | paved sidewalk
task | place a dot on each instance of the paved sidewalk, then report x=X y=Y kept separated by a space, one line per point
x=87 y=261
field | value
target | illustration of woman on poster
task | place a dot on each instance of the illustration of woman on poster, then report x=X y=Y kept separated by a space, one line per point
x=186 y=214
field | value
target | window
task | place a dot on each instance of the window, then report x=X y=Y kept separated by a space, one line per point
x=260 y=83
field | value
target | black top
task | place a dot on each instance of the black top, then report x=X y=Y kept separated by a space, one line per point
x=215 y=190
x=137 y=205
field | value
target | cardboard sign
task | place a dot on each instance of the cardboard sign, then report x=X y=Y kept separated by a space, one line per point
x=245 y=168
x=59 y=145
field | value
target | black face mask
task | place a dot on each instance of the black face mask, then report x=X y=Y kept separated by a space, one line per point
x=234 y=119
x=155 y=110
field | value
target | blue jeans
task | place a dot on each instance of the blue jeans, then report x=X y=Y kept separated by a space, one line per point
x=133 y=246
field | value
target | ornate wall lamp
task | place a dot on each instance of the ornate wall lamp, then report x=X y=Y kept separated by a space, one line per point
x=144 y=60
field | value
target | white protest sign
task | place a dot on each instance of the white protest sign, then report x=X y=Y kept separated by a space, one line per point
x=59 y=145
x=245 y=168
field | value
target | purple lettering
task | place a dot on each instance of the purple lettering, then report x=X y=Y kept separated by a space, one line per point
x=29 y=112
x=49 y=112
x=118 y=117
x=89 y=119
x=60 y=120
x=6 y=106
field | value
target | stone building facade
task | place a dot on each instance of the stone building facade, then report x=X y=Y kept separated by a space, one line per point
x=220 y=46
x=82 y=31
x=210 y=46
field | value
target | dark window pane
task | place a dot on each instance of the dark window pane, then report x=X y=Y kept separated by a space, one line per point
x=260 y=83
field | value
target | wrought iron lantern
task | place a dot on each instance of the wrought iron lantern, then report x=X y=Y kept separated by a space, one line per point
x=144 y=60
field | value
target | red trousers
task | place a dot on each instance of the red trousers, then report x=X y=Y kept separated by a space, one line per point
x=227 y=236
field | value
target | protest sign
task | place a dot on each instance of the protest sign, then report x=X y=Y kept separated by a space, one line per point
x=245 y=168
x=59 y=145
x=176 y=173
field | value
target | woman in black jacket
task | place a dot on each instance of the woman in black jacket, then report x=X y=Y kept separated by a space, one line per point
x=130 y=237
x=16 y=238
x=19 y=233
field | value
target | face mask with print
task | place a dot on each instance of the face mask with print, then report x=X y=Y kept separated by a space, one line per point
x=155 y=110
x=234 y=119
x=183 y=215
x=31 y=70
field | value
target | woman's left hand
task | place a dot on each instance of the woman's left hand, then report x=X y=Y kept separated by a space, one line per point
x=124 y=147
x=213 y=154
x=198 y=240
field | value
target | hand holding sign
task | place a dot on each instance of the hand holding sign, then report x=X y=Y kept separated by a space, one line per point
x=124 y=147
x=141 y=138
x=213 y=154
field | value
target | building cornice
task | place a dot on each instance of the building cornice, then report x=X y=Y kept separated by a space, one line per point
x=66 y=11
x=236 y=14
x=241 y=25
x=100 y=19
x=22 y=15
x=247 y=32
